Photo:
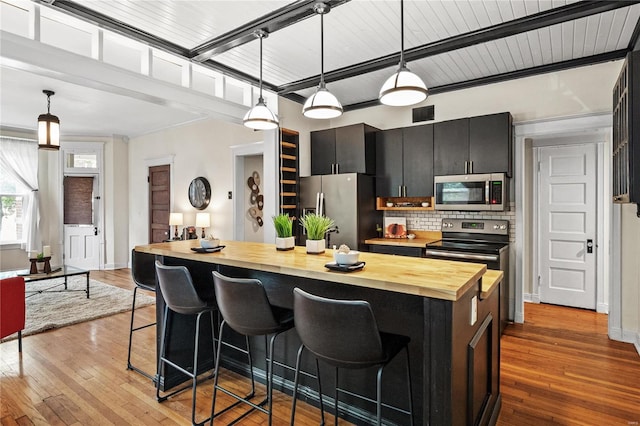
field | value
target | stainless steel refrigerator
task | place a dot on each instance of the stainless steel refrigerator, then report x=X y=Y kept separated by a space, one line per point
x=349 y=199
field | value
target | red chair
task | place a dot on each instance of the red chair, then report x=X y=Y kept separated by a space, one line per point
x=12 y=308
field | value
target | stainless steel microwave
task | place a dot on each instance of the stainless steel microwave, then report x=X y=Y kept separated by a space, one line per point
x=471 y=192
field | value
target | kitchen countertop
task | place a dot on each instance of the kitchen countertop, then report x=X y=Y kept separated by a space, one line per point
x=440 y=279
x=421 y=240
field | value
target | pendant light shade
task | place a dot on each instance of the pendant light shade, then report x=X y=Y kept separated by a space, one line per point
x=322 y=104
x=260 y=117
x=403 y=88
x=48 y=127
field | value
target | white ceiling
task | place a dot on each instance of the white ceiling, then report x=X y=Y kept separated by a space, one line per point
x=356 y=32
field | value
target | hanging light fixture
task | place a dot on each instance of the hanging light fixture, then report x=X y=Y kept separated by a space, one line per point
x=404 y=87
x=322 y=104
x=48 y=127
x=260 y=117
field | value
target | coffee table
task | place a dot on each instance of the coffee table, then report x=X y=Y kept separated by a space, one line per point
x=62 y=272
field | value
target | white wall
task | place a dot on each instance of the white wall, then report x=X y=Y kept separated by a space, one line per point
x=198 y=149
x=630 y=274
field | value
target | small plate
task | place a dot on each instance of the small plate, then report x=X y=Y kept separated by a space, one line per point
x=345 y=268
x=207 y=250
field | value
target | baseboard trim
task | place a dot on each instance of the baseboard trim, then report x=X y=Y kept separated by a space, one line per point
x=602 y=308
x=112 y=266
x=531 y=298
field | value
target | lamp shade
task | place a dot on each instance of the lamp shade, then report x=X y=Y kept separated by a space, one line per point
x=322 y=104
x=403 y=88
x=260 y=117
x=175 y=219
x=203 y=220
x=48 y=127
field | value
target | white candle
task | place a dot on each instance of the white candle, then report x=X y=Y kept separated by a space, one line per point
x=46 y=251
x=33 y=254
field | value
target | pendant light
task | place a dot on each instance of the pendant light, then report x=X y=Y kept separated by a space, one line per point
x=322 y=104
x=403 y=88
x=260 y=117
x=48 y=127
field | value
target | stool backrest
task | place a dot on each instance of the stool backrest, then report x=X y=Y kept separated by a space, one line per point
x=244 y=305
x=178 y=290
x=142 y=270
x=344 y=333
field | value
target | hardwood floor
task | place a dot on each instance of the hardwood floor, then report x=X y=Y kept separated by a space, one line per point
x=557 y=368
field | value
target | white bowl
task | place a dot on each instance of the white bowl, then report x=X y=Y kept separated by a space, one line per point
x=350 y=258
x=389 y=204
x=209 y=243
x=425 y=204
x=411 y=236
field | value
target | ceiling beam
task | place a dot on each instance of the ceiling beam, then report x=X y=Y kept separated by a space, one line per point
x=271 y=22
x=528 y=23
x=512 y=75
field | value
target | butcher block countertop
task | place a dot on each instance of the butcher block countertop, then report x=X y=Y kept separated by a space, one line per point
x=440 y=279
x=421 y=240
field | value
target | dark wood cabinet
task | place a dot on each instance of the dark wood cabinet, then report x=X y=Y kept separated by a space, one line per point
x=626 y=132
x=348 y=149
x=480 y=144
x=404 y=166
x=396 y=250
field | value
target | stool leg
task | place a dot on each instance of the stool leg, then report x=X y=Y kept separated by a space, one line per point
x=162 y=348
x=194 y=379
x=320 y=391
x=133 y=310
x=379 y=395
x=295 y=385
x=253 y=382
x=409 y=384
x=335 y=420
x=270 y=376
x=19 y=340
x=216 y=371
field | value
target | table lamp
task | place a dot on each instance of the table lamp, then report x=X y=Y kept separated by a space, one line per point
x=203 y=220
x=175 y=219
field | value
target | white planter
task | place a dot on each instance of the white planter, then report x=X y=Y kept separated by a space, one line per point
x=315 y=246
x=286 y=243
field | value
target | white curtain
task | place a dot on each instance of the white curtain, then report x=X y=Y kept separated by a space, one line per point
x=19 y=160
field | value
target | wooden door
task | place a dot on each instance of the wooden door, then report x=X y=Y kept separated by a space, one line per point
x=159 y=203
x=323 y=151
x=388 y=162
x=450 y=147
x=567 y=223
x=418 y=160
x=490 y=143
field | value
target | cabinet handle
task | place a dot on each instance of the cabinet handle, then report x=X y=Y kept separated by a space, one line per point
x=466 y=167
x=470 y=166
x=337 y=168
x=404 y=191
x=333 y=169
x=399 y=190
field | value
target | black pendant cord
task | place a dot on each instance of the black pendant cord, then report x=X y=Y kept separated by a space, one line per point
x=401 y=33
x=48 y=104
x=322 y=49
x=260 y=99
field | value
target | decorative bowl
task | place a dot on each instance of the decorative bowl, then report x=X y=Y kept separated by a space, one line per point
x=209 y=243
x=425 y=204
x=411 y=236
x=389 y=204
x=350 y=258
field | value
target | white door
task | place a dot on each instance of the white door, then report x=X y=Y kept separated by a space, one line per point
x=567 y=225
x=81 y=210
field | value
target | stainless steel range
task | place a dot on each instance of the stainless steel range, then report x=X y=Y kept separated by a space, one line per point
x=480 y=241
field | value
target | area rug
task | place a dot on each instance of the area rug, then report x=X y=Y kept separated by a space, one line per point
x=50 y=310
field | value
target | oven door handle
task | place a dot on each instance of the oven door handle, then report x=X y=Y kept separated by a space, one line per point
x=461 y=255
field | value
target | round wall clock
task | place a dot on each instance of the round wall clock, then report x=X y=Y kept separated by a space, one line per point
x=199 y=193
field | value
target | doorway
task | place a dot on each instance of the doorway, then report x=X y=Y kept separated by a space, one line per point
x=567 y=224
x=81 y=221
x=159 y=202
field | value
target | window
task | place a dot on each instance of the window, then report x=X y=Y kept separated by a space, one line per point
x=12 y=195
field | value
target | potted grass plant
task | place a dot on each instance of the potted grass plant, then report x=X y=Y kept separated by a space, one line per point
x=316 y=226
x=284 y=231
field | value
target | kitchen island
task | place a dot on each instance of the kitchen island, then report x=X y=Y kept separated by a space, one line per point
x=443 y=306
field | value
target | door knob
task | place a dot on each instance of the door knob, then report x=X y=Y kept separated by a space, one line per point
x=589 y=245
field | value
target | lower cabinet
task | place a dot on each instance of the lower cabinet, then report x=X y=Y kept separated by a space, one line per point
x=401 y=251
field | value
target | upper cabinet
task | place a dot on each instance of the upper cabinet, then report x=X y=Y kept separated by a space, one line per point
x=480 y=144
x=404 y=166
x=348 y=149
x=626 y=132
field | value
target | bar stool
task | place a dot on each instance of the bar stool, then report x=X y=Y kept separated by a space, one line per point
x=180 y=296
x=143 y=274
x=245 y=308
x=344 y=334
